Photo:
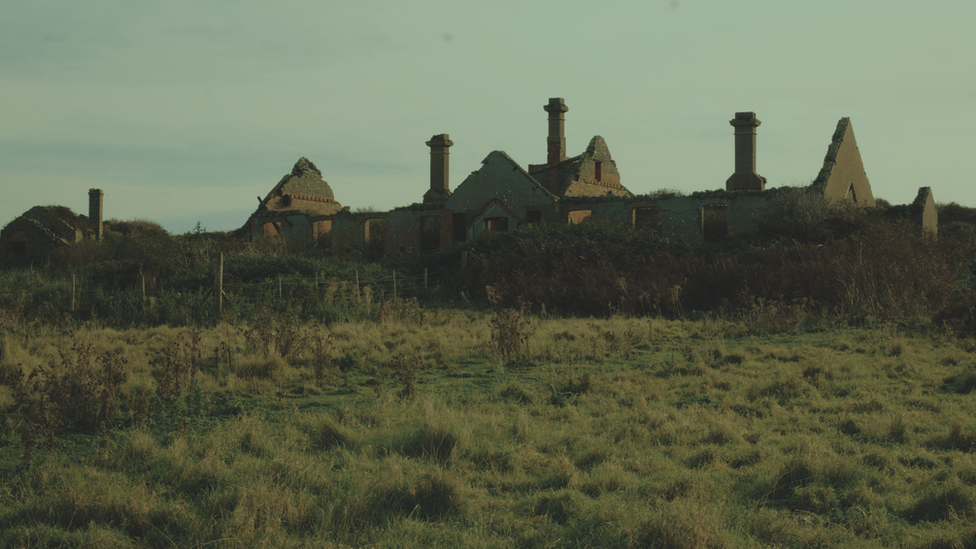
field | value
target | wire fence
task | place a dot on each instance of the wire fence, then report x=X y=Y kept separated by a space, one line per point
x=140 y=299
x=334 y=289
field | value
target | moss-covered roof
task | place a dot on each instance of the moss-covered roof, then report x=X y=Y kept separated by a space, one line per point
x=304 y=179
x=54 y=223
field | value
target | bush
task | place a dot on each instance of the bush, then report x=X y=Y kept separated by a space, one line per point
x=133 y=228
x=850 y=264
x=804 y=215
x=509 y=334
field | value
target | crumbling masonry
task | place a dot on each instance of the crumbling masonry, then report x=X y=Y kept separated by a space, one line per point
x=32 y=236
x=502 y=196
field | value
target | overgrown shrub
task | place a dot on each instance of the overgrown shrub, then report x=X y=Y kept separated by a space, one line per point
x=133 y=228
x=323 y=361
x=804 y=215
x=870 y=267
x=176 y=366
x=80 y=391
x=510 y=334
x=406 y=369
x=284 y=336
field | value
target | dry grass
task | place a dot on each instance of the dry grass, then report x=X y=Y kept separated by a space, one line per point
x=618 y=432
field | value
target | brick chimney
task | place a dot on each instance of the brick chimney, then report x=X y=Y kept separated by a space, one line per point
x=557 y=125
x=95 y=211
x=440 y=164
x=745 y=177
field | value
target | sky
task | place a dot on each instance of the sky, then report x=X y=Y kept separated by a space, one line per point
x=186 y=111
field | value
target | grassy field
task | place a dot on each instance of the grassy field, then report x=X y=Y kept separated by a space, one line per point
x=453 y=428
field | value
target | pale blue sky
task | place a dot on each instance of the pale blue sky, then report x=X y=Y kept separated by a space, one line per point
x=186 y=111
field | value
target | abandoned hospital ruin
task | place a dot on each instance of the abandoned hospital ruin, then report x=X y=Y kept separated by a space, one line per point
x=502 y=196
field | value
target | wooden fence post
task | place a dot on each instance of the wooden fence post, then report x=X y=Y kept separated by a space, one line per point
x=425 y=279
x=394 y=284
x=219 y=287
x=72 y=293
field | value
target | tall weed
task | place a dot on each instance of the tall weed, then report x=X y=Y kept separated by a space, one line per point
x=176 y=366
x=510 y=332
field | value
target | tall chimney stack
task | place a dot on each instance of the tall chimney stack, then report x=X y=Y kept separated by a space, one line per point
x=745 y=177
x=557 y=125
x=440 y=164
x=95 y=211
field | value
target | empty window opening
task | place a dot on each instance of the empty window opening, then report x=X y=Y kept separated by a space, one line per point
x=496 y=224
x=578 y=216
x=533 y=216
x=430 y=233
x=646 y=218
x=715 y=223
x=460 y=222
x=851 y=193
x=323 y=235
x=598 y=171
x=374 y=233
x=19 y=247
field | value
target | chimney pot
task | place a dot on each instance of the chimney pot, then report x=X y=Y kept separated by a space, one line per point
x=745 y=177
x=439 y=169
x=95 y=211
x=556 y=142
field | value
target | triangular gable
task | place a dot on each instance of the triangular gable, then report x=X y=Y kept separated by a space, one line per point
x=500 y=178
x=596 y=173
x=593 y=173
x=494 y=208
x=842 y=176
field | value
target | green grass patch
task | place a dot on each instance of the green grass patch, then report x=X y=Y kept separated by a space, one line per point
x=621 y=432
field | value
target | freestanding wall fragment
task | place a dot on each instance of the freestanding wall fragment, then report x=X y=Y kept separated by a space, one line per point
x=924 y=212
x=842 y=176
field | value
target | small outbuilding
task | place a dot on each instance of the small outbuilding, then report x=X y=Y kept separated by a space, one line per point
x=33 y=235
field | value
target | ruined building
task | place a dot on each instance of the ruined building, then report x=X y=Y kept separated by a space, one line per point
x=42 y=229
x=502 y=196
x=299 y=207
